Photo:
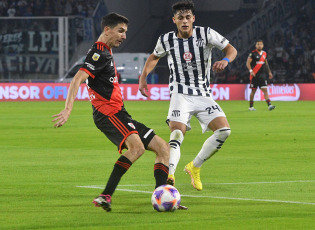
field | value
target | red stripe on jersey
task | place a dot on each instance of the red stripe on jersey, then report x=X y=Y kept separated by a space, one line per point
x=121 y=130
x=120 y=123
x=88 y=72
x=103 y=44
x=262 y=59
x=106 y=107
x=100 y=46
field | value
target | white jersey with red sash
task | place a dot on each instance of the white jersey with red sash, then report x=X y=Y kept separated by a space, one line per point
x=258 y=61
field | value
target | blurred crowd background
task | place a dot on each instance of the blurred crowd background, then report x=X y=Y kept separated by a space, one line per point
x=29 y=35
x=29 y=8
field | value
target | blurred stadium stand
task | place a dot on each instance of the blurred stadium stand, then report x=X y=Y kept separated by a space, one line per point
x=31 y=31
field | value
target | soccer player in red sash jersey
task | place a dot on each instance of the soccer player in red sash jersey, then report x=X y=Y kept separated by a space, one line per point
x=109 y=114
x=258 y=67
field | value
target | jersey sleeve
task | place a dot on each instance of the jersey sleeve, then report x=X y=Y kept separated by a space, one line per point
x=159 y=50
x=217 y=40
x=95 y=62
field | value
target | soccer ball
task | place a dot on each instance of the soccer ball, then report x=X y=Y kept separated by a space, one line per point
x=165 y=198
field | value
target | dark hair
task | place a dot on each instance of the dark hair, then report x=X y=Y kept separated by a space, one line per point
x=183 y=6
x=113 y=19
x=259 y=40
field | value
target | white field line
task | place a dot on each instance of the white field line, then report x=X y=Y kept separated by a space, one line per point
x=217 y=197
x=270 y=182
x=236 y=183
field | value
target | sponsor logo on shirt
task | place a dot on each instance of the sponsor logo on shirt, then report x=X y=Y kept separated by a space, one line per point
x=90 y=66
x=189 y=66
x=187 y=56
x=113 y=79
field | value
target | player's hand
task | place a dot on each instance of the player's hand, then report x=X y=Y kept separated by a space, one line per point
x=253 y=74
x=218 y=66
x=143 y=88
x=61 y=118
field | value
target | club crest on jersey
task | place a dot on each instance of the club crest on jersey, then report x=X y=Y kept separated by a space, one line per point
x=95 y=56
x=132 y=125
x=187 y=56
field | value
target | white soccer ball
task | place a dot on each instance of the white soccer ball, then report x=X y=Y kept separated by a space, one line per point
x=165 y=198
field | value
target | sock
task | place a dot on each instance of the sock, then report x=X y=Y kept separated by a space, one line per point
x=211 y=146
x=120 y=168
x=268 y=102
x=176 y=139
x=251 y=104
x=160 y=174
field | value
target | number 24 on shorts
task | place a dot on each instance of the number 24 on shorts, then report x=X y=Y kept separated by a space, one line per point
x=212 y=108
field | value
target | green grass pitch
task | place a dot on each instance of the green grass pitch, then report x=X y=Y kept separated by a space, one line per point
x=262 y=178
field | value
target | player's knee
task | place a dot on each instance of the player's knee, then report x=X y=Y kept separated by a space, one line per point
x=138 y=151
x=161 y=147
x=223 y=133
x=177 y=135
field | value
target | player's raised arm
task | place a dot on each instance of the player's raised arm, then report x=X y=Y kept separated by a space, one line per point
x=62 y=117
x=148 y=67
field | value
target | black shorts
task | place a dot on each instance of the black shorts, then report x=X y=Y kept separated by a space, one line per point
x=119 y=126
x=258 y=81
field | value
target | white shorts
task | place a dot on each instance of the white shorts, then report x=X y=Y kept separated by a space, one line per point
x=182 y=107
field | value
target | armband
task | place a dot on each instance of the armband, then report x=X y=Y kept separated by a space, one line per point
x=226 y=59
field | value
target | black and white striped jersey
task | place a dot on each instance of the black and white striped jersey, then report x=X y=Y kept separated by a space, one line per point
x=189 y=60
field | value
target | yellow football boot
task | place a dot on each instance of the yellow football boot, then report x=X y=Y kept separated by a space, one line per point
x=194 y=173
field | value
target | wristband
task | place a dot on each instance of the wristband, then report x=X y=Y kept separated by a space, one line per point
x=250 y=70
x=226 y=59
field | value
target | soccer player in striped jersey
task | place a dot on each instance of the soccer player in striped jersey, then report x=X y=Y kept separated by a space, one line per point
x=109 y=114
x=188 y=51
x=258 y=68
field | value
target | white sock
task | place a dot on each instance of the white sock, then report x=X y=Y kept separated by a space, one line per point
x=176 y=139
x=211 y=146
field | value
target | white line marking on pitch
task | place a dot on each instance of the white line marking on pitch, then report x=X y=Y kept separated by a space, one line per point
x=212 y=197
x=270 y=182
x=236 y=183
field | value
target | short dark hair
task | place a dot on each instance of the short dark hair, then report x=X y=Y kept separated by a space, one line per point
x=113 y=19
x=259 y=40
x=183 y=6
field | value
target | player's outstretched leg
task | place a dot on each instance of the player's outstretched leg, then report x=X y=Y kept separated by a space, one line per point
x=209 y=148
x=120 y=168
